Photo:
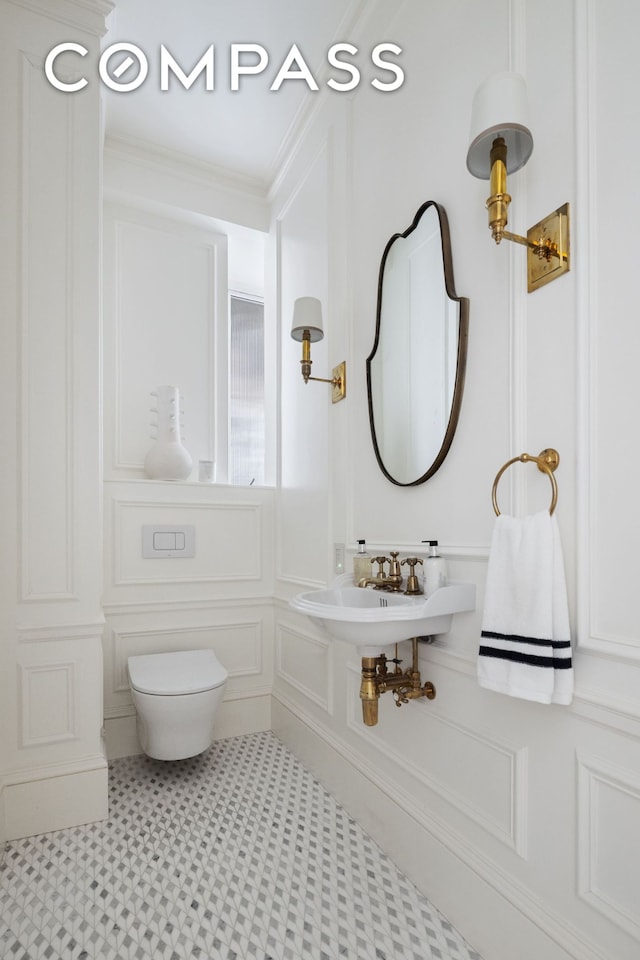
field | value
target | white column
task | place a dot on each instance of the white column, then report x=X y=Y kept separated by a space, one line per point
x=52 y=764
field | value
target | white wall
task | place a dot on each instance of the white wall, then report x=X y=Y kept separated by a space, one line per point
x=520 y=821
x=61 y=576
x=52 y=760
x=166 y=281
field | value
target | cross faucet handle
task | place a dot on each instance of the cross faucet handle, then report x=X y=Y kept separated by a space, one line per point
x=381 y=562
x=413 y=585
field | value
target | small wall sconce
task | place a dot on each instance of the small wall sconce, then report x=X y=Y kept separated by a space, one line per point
x=501 y=143
x=307 y=329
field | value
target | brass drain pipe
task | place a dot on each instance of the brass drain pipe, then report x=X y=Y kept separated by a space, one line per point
x=376 y=679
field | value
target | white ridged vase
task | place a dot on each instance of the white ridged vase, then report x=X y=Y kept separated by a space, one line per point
x=168 y=459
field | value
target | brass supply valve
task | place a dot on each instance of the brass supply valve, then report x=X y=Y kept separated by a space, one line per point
x=376 y=680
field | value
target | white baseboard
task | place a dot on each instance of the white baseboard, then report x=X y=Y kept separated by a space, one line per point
x=235 y=718
x=54 y=797
x=495 y=914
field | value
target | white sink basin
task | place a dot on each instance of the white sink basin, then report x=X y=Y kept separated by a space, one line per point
x=374 y=619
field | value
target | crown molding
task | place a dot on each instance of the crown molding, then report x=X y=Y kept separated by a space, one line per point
x=87 y=15
x=174 y=162
x=363 y=20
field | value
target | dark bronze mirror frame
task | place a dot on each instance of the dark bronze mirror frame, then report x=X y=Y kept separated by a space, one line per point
x=463 y=332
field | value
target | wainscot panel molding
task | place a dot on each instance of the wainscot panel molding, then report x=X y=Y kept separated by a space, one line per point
x=61 y=631
x=609 y=841
x=441 y=743
x=464 y=663
x=179 y=607
x=233 y=545
x=228 y=542
x=516 y=482
x=57 y=697
x=542 y=862
x=374 y=801
x=615 y=713
x=462 y=552
x=607 y=502
x=240 y=632
x=586 y=305
x=290 y=586
x=51 y=753
x=159 y=270
x=623 y=648
x=305 y=661
x=48 y=694
x=237 y=644
x=47 y=464
x=257 y=692
x=301 y=214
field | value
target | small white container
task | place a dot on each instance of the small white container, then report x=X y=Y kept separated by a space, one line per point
x=206 y=471
x=435 y=569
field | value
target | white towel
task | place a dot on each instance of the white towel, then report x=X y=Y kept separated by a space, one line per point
x=526 y=640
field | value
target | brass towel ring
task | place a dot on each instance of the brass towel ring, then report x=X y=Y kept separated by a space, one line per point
x=547 y=462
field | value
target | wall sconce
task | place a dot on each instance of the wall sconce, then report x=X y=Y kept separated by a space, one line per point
x=501 y=143
x=307 y=329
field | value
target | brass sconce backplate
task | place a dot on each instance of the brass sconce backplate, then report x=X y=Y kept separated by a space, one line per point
x=548 y=248
x=339 y=382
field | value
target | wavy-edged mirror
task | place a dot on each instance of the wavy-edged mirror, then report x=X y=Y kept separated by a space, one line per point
x=415 y=372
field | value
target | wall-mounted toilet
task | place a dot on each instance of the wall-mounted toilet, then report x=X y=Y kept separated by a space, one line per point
x=176 y=696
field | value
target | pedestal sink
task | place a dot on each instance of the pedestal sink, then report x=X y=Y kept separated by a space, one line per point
x=373 y=619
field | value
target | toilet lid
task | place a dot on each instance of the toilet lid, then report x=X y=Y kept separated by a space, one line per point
x=172 y=674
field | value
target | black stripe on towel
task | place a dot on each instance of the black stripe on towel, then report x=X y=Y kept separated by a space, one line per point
x=515 y=638
x=555 y=663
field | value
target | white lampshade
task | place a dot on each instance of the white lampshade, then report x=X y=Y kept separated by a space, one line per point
x=307 y=315
x=500 y=109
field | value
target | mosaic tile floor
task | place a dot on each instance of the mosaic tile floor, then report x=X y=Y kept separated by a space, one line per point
x=238 y=854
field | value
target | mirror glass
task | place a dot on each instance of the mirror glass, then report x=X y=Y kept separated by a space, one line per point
x=415 y=372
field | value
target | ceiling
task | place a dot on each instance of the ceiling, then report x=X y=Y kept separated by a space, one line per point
x=240 y=132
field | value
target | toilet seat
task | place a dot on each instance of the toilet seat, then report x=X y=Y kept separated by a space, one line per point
x=176 y=674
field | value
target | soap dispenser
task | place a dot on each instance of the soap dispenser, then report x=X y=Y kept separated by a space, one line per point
x=435 y=569
x=361 y=563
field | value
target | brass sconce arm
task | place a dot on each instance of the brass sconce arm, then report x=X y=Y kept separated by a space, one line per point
x=500 y=144
x=307 y=326
x=336 y=381
x=546 y=245
x=544 y=248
